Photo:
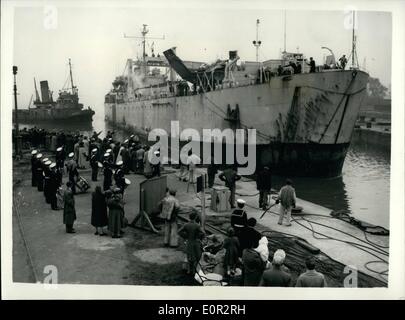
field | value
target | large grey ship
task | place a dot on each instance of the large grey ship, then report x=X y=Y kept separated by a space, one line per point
x=304 y=121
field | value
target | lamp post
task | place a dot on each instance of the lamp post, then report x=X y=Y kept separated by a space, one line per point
x=15 y=69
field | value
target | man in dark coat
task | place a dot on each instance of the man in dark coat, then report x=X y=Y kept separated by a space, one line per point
x=230 y=176
x=69 y=211
x=311 y=65
x=249 y=235
x=263 y=183
x=212 y=170
x=253 y=266
x=126 y=159
x=99 y=217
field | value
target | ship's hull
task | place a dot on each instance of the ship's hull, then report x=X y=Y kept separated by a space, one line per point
x=44 y=115
x=304 y=122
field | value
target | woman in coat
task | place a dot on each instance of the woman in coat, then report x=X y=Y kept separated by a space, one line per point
x=69 y=211
x=253 y=265
x=192 y=232
x=82 y=156
x=116 y=214
x=99 y=217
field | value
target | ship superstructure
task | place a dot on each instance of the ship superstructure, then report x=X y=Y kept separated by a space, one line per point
x=303 y=120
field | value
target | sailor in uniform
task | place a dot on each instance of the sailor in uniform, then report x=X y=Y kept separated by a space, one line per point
x=107 y=171
x=53 y=185
x=239 y=217
x=94 y=164
x=60 y=158
x=47 y=180
x=71 y=167
x=34 y=167
x=156 y=167
x=119 y=176
x=39 y=171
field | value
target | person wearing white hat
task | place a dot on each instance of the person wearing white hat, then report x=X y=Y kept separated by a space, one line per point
x=39 y=173
x=60 y=158
x=107 y=171
x=276 y=275
x=156 y=166
x=53 y=186
x=34 y=167
x=71 y=168
x=47 y=181
x=239 y=218
x=119 y=177
x=94 y=164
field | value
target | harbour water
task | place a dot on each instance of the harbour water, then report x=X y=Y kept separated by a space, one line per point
x=362 y=190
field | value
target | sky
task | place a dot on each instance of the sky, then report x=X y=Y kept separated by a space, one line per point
x=93 y=38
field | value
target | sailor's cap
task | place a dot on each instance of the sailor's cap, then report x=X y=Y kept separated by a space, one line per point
x=126 y=141
x=39 y=155
x=127 y=181
x=71 y=155
x=47 y=163
x=109 y=139
x=132 y=136
x=117 y=190
x=34 y=152
x=52 y=165
x=45 y=159
x=109 y=150
x=107 y=154
x=99 y=164
x=94 y=150
x=59 y=149
x=241 y=201
x=119 y=163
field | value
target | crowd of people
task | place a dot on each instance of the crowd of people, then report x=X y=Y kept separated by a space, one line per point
x=244 y=247
x=74 y=152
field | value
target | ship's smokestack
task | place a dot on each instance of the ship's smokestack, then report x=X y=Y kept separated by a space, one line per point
x=233 y=54
x=45 y=91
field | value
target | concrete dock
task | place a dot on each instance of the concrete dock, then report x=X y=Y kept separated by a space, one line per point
x=139 y=257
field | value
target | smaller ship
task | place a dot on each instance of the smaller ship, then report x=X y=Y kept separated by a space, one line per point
x=66 y=108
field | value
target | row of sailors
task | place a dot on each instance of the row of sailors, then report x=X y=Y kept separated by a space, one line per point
x=46 y=176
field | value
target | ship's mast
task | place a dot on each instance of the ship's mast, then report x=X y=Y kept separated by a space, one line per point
x=144 y=32
x=257 y=42
x=355 y=63
x=71 y=76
